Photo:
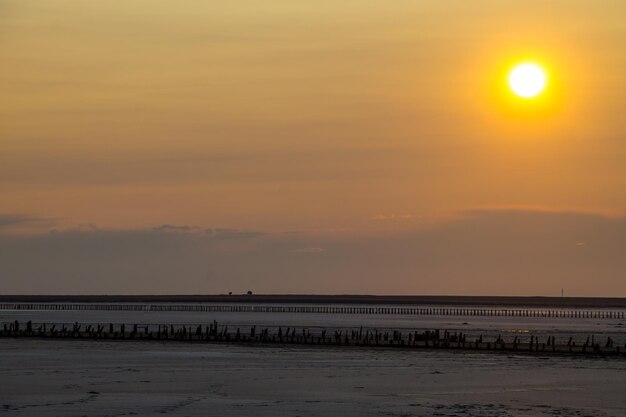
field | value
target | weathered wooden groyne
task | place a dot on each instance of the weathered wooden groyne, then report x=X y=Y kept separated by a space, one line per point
x=363 y=337
x=327 y=309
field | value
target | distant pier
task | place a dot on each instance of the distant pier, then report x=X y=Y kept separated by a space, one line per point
x=328 y=309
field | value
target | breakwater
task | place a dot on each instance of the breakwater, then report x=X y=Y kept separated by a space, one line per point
x=327 y=309
x=317 y=336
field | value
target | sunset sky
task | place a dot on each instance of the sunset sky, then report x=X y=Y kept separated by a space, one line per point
x=312 y=147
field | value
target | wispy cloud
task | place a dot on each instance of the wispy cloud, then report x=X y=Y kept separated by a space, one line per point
x=308 y=250
x=176 y=229
x=392 y=216
x=12 y=220
x=233 y=233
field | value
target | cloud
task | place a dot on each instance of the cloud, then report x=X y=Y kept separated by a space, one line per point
x=381 y=216
x=175 y=229
x=7 y=220
x=308 y=250
x=392 y=216
x=233 y=233
x=11 y=222
x=511 y=252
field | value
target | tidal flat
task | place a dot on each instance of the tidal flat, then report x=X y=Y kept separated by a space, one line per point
x=45 y=378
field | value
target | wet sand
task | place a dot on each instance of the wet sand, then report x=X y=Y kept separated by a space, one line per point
x=78 y=378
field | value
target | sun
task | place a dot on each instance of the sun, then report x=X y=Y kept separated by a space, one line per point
x=527 y=80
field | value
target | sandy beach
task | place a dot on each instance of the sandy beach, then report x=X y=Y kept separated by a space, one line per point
x=78 y=378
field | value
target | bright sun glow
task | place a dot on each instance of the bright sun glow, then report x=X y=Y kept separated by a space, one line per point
x=527 y=80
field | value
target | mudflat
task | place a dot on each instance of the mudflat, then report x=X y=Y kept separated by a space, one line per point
x=77 y=378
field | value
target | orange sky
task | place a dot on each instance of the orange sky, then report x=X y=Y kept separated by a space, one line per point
x=334 y=120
